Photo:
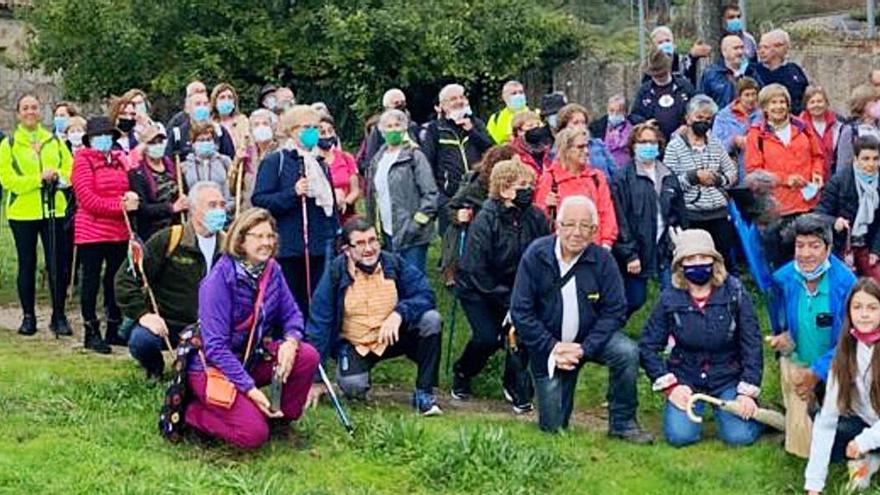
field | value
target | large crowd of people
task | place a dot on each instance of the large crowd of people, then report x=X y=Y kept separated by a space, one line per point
x=258 y=248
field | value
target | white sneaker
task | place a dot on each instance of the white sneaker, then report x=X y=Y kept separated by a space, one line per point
x=861 y=471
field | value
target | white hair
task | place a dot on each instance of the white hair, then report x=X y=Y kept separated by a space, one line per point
x=618 y=98
x=509 y=85
x=393 y=114
x=578 y=200
x=264 y=113
x=662 y=30
x=196 y=190
x=701 y=103
x=449 y=90
x=391 y=93
x=781 y=34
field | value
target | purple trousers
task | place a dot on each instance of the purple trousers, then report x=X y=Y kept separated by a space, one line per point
x=244 y=425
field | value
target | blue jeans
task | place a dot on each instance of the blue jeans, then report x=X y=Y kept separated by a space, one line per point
x=146 y=347
x=416 y=256
x=556 y=396
x=733 y=430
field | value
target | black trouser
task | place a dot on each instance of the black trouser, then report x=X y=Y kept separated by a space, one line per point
x=724 y=236
x=294 y=269
x=25 y=233
x=92 y=256
x=778 y=248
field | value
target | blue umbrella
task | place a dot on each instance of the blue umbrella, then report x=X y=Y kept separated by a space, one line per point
x=751 y=243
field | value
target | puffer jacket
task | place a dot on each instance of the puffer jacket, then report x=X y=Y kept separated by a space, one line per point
x=99 y=182
x=21 y=169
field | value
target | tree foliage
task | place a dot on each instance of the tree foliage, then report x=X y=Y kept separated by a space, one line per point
x=346 y=53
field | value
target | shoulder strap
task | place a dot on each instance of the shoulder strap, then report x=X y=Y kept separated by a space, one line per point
x=11 y=140
x=733 y=306
x=258 y=306
x=173 y=239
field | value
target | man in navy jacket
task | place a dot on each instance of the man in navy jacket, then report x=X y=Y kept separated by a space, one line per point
x=568 y=307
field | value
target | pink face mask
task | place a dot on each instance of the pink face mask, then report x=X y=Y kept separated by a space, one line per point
x=874 y=110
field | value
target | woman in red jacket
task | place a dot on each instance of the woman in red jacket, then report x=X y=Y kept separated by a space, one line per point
x=100 y=183
x=571 y=174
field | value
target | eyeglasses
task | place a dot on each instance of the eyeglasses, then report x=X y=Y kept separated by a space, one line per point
x=305 y=127
x=583 y=226
x=263 y=237
x=581 y=146
x=361 y=245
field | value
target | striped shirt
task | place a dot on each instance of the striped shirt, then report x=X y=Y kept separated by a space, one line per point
x=685 y=161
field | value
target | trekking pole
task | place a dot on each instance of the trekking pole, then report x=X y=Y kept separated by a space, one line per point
x=239 y=178
x=305 y=227
x=72 y=273
x=454 y=310
x=179 y=175
x=50 y=188
x=136 y=259
x=340 y=412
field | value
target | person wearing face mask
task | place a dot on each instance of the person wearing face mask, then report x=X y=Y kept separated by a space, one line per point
x=664 y=96
x=61 y=115
x=154 y=179
x=825 y=123
x=74 y=133
x=284 y=99
x=226 y=112
x=719 y=80
x=393 y=99
x=205 y=162
x=806 y=307
x=733 y=121
x=648 y=203
x=784 y=147
x=32 y=163
x=717 y=348
x=497 y=238
x=180 y=136
x=864 y=120
x=705 y=171
x=402 y=196
x=532 y=141
x=104 y=198
x=176 y=259
x=371 y=305
x=500 y=125
x=615 y=128
x=732 y=23
x=343 y=169
x=453 y=143
x=267 y=98
x=684 y=66
x=290 y=179
x=851 y=200
x=249 y=329
x=178 y=119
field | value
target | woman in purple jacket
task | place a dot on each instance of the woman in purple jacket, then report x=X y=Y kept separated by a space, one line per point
x=226 y=311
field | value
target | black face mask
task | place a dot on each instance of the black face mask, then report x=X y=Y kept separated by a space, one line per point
x=538 y=135
x=126 y=125
x=523 y=198
x=326 y=143
x=701 y=128
x=365 y=267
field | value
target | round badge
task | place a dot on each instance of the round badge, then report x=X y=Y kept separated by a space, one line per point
x=666 y=101
x=175 y=418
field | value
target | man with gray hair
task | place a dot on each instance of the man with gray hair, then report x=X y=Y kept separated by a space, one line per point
x=176 y=259
x=453 y=143
x=774 y=68
x=513 y=95
x=393 y=99
x=568 y=307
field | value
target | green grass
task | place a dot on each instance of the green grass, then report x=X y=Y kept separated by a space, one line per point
x=80 y=423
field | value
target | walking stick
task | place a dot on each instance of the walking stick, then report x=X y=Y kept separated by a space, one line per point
x=72 y=273
x=137 y=262
x=340 y=412
x=769 y=417
x=179 y=187
x=454 y=309
x=49 y=189
x=239 y=179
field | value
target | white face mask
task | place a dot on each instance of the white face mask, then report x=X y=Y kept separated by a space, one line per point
x=460 y=113
x=76 y=138
x=262 y=133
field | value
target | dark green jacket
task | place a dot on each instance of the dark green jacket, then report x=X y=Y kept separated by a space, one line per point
x=174 y=279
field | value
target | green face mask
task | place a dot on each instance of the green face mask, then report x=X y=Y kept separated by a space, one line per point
x=393 y=138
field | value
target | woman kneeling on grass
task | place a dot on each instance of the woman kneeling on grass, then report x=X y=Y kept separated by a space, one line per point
x=240 y=301
x=717 y=344
x=848 y=426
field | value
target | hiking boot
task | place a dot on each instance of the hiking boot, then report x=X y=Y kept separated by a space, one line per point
x=112 y=336
x=28 y=324
x=60 y=327
x=426 y=403
x=633 y=434
x=92 y=338
x=461 y=387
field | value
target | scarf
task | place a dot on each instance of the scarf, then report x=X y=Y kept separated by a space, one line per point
x=252 y=271
x=867 y=338
x=869 y=200
x=319 y=187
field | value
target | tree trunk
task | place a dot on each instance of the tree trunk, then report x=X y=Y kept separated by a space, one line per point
x=709 y=22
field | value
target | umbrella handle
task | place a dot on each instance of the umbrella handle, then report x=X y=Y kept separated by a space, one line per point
x=703 y=397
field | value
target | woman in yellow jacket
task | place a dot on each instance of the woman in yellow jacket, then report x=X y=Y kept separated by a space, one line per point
x=33 y=163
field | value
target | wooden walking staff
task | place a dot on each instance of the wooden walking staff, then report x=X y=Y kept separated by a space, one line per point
x=769 y=417
x=137 y=262
x=238 y=166
x=179 y=187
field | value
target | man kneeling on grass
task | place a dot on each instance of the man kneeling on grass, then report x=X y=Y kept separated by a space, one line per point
x=568 y=306
x=371 y=305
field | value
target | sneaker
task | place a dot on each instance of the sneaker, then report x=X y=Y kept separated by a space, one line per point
x=461 y=387
x=634 y=434
x=60 y=327
x=28 y=325
x=861 y=471
x=426 y=403
x=523 y=408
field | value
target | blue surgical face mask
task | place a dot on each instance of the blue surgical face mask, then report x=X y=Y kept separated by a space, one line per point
x=698 y=274
x=734 y=25
x=141 y=108
x=866 y=178
x=615 y=119
x=262 y=133
x=517 y=102
x=667 y=47
x=201 y=113
x=647 y=152
x=101 y=143
x=204 y=148
x=156 y=150
x=309 y=137
x=225 y=107
x=816 y=273
x=60 y=123
x=552 y=120
x=809 y=191
x=215 y=220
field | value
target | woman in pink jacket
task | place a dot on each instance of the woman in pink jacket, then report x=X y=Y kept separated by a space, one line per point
x=100 y=183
